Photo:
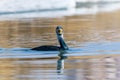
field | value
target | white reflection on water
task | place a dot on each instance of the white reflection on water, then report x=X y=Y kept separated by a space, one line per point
x=82 y=8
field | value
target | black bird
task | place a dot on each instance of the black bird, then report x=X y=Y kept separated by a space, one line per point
x=63 y=45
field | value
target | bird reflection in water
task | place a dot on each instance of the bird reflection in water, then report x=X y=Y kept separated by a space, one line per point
x=60 y=62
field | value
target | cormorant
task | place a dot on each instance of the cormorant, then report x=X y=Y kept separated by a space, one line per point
x=63 y=45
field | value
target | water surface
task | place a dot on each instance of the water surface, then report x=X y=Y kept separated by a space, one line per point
x=93 y=54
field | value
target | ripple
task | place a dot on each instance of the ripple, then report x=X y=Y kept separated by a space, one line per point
x=86 y=50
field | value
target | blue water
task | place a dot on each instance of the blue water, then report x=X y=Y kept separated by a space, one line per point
x=86 y=50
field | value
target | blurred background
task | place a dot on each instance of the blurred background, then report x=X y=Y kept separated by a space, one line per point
x=54 y=8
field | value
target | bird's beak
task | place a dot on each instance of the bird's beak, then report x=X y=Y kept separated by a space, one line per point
x=60 y=31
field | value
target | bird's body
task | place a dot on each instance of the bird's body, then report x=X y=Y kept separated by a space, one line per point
x=63 y=45
x=46 y=48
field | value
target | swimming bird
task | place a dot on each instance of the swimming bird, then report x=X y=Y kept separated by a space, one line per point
x=63 y=45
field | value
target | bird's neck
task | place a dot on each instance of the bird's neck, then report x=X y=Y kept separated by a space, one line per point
x=62 y=43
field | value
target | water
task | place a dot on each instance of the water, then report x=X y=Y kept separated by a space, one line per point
x=93 y=40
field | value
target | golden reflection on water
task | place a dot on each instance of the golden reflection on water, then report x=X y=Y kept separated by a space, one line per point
x=77 y=68
x=77 y=29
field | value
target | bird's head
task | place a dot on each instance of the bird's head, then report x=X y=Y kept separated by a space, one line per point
x=59 y=31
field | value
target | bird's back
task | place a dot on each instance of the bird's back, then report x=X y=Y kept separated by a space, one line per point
x=46 y=48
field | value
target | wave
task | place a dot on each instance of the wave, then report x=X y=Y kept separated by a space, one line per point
x=59 y=9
